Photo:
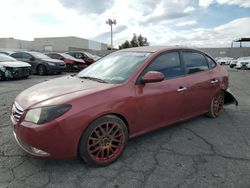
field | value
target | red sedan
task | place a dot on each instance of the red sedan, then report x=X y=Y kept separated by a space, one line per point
x=123 y=95
x=71 y=62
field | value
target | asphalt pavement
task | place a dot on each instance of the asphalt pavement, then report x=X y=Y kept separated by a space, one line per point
x=200 y=152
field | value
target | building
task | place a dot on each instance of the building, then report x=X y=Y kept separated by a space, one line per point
x=58 y=44
x=11 y=43
x=241 y=43
x=227 y=52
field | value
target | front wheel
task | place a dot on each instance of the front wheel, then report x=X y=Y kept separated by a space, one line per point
x=41 y=70
x=216 y=105
x=2 y=76
x=103 y=141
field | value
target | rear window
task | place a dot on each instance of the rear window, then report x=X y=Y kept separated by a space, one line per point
x=194 y=62
x=17 y=55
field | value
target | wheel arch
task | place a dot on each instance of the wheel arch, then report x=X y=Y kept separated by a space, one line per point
x=229 y=98
x=40 y=64
x=107 y=114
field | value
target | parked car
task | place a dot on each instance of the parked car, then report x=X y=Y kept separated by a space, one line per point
x=125 y=94
x=235 y=61
x=7 y=52
x=72 y=64
x=243 y=63
x=85 y=56
x=224 y=60
x=41 y=64
x=10 y=68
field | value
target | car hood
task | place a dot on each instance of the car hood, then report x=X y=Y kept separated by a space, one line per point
x=15 y=64
x=59 y=90
x=246 y=60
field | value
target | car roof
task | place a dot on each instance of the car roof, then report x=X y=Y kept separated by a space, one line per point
x=75 y=52
x=153 y=49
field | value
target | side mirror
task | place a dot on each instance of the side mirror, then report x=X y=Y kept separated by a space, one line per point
x=61 y=58
x=153 y=76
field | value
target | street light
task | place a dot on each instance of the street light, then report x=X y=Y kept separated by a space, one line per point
x=111 y=22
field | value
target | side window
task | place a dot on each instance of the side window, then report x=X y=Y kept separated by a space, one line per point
x=84 y=55
x=78 y=55
x=26 y=56
x=56 y=56
x=194 y=62
x=168 y=64
x=17 y=55
x=211 y=62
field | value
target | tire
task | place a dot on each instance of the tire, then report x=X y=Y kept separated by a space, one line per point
x=2 y=76
x=103 y=141
x=243 y=68
x=216 y=105
x=41 y=70
x=26 y=77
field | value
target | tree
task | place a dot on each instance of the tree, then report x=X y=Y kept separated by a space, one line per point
x=135 y=42
x=126 y=44
x=142 y=41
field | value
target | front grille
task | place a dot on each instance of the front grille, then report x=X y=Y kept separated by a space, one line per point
x=22 y=72
x=16 y=112
x=244 y=63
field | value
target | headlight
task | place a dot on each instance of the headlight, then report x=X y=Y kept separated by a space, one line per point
x=52 y=64
x=46 y=114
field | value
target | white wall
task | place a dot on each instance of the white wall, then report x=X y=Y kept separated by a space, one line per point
x=94 y=45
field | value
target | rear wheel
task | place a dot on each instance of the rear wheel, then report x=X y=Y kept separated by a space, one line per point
x=103 y=141
x=41 y=70
x=216 y=105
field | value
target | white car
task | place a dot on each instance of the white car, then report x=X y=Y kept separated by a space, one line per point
x=224 y=60
x=243 y=63
x=10 y=68
x=233 y=62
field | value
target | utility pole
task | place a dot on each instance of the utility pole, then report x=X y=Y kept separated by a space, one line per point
x=111 y=22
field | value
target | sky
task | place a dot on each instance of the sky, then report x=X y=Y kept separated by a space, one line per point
x=197 y=23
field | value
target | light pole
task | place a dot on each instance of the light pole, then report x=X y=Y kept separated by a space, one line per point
x=111 y=22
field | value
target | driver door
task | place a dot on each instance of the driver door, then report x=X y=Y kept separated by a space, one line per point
x=160 y=103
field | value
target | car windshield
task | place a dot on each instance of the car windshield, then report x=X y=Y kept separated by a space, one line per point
x=39 y=55
x=90 y=55
x=116 y=67
x=6 y=58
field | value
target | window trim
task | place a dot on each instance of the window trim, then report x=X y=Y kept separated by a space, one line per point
x=138 y=80
x=193 y=51
x=210 y=68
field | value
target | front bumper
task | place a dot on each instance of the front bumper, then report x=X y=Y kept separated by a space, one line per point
x=49 y=140
x=15 y=73
x=55 y=69
x=238 y=66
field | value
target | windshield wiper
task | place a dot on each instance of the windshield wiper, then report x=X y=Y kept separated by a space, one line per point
x=93 y=78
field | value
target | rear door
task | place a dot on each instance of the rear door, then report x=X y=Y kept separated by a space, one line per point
x=202 y=82
x=160 y=103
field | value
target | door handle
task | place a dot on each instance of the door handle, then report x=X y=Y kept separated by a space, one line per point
x=182 y=89
x=214 y=81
